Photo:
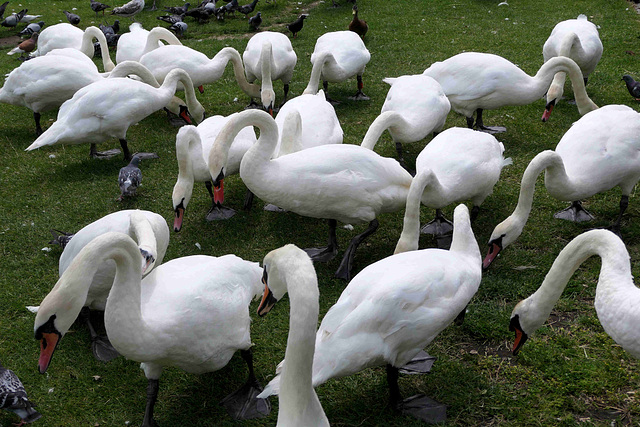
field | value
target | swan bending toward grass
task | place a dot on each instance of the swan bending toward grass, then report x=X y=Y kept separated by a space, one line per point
x=60 y=36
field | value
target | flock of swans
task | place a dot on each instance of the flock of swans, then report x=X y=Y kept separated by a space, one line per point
x=391 y=309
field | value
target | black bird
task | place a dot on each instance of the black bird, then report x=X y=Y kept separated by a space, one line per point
x=255 y=21
x=129 y=178
x=179 y=28
x=14 y=398
x=171 y=19
x=96 y=6
x=201 y=14
x=13 y=19
x=110 y=29
x=632 y=86
x=357 y=25
x=3 y=6
x=72 y=17
x=248 y=8
x=296 y=25
x=32 y=28
x=177 y=10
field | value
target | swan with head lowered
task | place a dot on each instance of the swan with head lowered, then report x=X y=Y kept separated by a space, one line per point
x=617 y=299
x=599 y=152
x=577 y=39
x=395 y=307
x=138 y=41
x=64 y=35
x=475 y=82
x=415 y=106
x=338 y=56
x=269 y=56
x=191 y=313
x=289 y=270
x=105 y=109
x=339 y=182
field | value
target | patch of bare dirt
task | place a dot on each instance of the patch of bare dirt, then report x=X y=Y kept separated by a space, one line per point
x=10 y=41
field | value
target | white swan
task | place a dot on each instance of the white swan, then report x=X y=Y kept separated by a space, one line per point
x=577 y=39
x=63 y=35
x=338 y=56
x=395 y=307
x=465 y=165
x=269 y=56
x=289 y=269
x=599 y=152
x=415 y=106
x=200 y=68
x=106 y=109
x=339 y=182
x=617 y=297
x=46 y=82
x=193 y=145
x=138 y=41
x=191 y=312
x=476 y=81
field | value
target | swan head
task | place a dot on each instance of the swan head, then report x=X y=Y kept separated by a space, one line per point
x=503 y=235
x=553 y=95
x=268 y=97
x=526 y=318
x=196 y=112
x=148 y=259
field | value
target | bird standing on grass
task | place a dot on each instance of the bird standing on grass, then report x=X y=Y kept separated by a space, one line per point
x=632 y=86
x=26 y=46
x=130 y=9
x=96 y=6
x=296 y=25
x=179 y=28
x=357 y=25
x=32 y=28
x=14 y=398
x=178 y=10
x=255 y=21
x=72 y=17
x=13 y=19
x=248 y=8
x=129 y=178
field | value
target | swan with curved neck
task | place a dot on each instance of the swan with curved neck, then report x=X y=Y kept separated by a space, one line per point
x=415 y=106
x=192 y=147
x=122 y=103
x=289 y=270
x=269 y=56
x=138 y=41
x=338 y=56
x=617 y=299
x=596 y=154
x=172 y=311
x=66 y=35
x=577 y=39
x=201 y=69
x=474 y=82
x=395 y=307
x=339 y=182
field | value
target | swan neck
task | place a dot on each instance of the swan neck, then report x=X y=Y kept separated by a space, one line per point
x=410 y=236
x=143 y=231
x=381 y=123
x=170 y=83
x=183 y=188
x=229 y=54
x=260 y=154
x=266 y=58
x=87 y=46
x=156 y=35
x=127 y=68
x=316 y=73
x=463 y=240
x=557 y=64
x=291 y=135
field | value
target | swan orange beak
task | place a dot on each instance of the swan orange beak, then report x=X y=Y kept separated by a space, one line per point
x=268 y=300
x=521 y=336
x=177 y=222
x=547 y=110
x=184 y=115
x=218 y=192
x=48 y=344
x=494 y=250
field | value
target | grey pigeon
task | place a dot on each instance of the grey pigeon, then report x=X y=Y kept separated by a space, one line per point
x=232 y=6
x=632 y=86
x=72 y=17
x=14 y=398
x=170 y=19
x=96 y=6
x=179 y=28
x=32 y=28
x=13 y=19
x=255 y=21
x=177 y=10
x=129 y=178
x=248 y=8
x=3 y=6
x=60 y=238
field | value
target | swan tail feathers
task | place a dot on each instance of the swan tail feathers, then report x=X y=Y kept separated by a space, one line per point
x=506 y=162
x=273 y=388
x=49 y=137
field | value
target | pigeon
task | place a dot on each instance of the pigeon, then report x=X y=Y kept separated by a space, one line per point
x=153 y=6
x=179 y=28
x=72 y=17
x=32 y=28
x=13 y=19
x=130 y=9
x=3 y=6
x=26 y=46
x=232 y=6
x=296 y=25
x=96 y=6
x=14 y=398
x=356 y=25
x=632 y=86
x=129 y=178
x=201 y=14
x=255 y=21
x=60 y=238
x=248 y=8
x=177 y=10
x=170 y=19
x=28 y=18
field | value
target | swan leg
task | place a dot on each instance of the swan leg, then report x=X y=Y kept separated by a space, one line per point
x=248 y=200
x=286 y=94
x=420 y=364
x=624 y=203
x=100 y=345
x=401 y=159
x=475 y=210
x=459 y=320
x=95 y=154
x=481 y=127
x=36 y=117
x=360 y=96
x=218 y=211
x=574 y=213
x=329 y=252
x=325 y=86
x=243 y=404
x=152 y=397
x=418 y=406
x=346 y=265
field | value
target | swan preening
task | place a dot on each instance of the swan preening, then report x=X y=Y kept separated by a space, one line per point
x=577 y=39
x=191 y=313
x=599 y=152
x=290 y=270
x=415 y=106
x=395 y=307
x=122 y=102
x=338 y=182
x=474 y=82
x=617 y=299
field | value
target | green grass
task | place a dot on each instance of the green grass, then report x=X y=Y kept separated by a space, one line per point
x=570 y=372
